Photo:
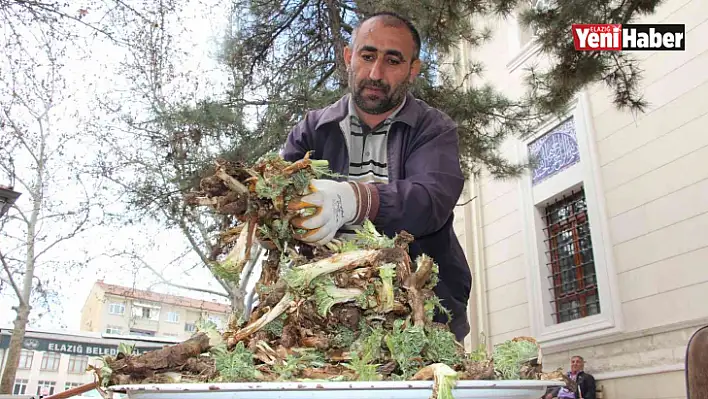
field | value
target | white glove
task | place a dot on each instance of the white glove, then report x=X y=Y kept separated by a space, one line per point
x=335 y=204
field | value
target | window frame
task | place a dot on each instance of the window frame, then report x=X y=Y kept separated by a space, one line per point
x=22 y=384
x=118 y=305
x=70 y=385
x=56 y=360
x=112 y=329
x=138 y=312
x=175 y=319
x=580 y=288
x=73 y=360
x=30 y=356
x=533 y=200
x=52 y=385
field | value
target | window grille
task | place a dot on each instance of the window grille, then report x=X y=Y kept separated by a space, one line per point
x=570 y=259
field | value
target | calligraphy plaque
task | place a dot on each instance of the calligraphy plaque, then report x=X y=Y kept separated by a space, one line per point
x=554 y=151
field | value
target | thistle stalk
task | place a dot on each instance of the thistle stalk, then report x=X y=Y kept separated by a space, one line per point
x=272 y=314
x=299 y=278
x=230 y=182
x=241 y=252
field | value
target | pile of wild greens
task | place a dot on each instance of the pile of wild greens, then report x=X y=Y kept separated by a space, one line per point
x=360 y=309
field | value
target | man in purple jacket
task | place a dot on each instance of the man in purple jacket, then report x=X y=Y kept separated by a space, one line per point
x=400 y=156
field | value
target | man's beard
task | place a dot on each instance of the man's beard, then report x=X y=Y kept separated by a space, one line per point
x=382 y=103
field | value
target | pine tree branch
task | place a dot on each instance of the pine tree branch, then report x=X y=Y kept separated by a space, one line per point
x=324 y=77
x=275 y=34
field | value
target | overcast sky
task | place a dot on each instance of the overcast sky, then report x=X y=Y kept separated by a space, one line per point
x=158 y=244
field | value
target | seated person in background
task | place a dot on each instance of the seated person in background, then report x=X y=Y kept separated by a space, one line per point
x=586 y=383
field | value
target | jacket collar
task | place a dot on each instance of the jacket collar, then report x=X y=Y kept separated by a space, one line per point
x=336 y=112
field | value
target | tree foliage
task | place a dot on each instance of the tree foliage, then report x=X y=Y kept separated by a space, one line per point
x=573 y=70
x=288 y=55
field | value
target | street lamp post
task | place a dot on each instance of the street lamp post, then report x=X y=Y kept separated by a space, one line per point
x=7 y=198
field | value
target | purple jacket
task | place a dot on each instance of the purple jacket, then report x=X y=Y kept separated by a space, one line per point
x=425 y=182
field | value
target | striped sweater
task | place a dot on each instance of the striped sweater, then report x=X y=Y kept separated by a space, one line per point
x=367 y=151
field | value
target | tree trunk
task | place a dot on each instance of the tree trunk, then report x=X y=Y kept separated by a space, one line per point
x=23 y=310
x=336 y=25
x=13 y=352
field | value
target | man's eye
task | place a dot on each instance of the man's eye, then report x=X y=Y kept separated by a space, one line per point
x=367 y=57
x=394 y=61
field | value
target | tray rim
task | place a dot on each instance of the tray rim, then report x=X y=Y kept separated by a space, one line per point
x=300 y=386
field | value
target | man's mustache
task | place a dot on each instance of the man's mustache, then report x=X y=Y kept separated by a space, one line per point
x=376 y=84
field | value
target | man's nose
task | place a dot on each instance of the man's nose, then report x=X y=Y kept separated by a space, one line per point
x=376 y=71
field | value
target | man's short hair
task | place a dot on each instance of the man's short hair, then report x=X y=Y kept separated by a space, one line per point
x=395 y=20
x=578 y=357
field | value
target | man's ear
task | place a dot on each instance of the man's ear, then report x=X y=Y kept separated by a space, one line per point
x=415 y=70
x=347 y=56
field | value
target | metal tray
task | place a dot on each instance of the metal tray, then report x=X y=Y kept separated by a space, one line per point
x=515 y=389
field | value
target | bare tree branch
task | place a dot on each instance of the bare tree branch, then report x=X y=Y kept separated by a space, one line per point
x=165 y=281
x=34 y=7
x=11 y=280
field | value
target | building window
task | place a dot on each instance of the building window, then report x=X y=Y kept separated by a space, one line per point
x=571 y=267
x=114 y=330
x=50 y=361
x=573 y=292
x=20 y=387
x=142 y=333
x=173 y=317
x=45 y=387
x=143 y=311
x=69 y=385
x=26 y=359
x=190 y=327
x=116 y=308
x=77 y=364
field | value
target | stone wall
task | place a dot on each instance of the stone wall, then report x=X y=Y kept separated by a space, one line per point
x=637 y=366
x=651 y=350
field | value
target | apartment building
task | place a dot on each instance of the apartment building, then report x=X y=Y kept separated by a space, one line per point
x=118 y=310
x=56 y=361
x=600 y=251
